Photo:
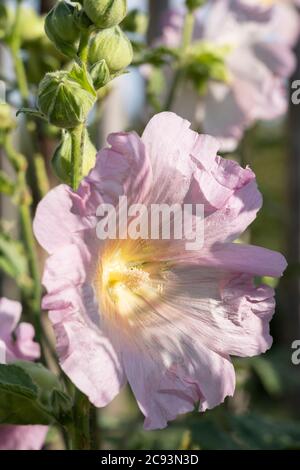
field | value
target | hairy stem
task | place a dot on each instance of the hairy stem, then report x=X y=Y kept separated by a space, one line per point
x=77 y=136
x=83 y=48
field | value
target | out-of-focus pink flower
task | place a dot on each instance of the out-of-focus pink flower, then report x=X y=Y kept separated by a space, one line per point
x=16 y=342
x=147 y=311
x=259 y=62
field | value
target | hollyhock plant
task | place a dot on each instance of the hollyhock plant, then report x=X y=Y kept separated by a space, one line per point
x=16 y=342
x=259 y=59
x=149 y=312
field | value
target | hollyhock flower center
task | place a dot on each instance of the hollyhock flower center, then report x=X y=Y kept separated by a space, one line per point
x=125 y=282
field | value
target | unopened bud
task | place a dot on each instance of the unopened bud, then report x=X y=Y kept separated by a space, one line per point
x=105 y=13
x=63 y=100
x=61 y=28
x=113 y=46
x=62 y=159
x=100 y=74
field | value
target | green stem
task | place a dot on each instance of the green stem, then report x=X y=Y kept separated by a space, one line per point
x=43 y=185
x=187 y=37
x=95 y=429
x=15 y=46
x=80 y=427
x=83 y=49
x=22 y=82
x=19 y=164
x=77 y=136
x=188 y=30
x=33 y=262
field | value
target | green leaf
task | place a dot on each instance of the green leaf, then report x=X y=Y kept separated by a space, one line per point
x=258 y=432
x=267 y=374
x=19 y=403
x=31 y=112
x=32 y=394
x=80 y=75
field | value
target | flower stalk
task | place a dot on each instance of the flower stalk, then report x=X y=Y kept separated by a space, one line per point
x=187 y=37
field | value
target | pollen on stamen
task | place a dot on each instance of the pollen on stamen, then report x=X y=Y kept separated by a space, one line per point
x=123 y=287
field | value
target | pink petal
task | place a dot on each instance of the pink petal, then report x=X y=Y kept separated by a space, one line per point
x=25 y=347
x=22 y=437
x=10 y=314
x=169 y=142
x=55 y=224
x=226 y=313
x=122 y=169
x=90 y=360
x=164 y=392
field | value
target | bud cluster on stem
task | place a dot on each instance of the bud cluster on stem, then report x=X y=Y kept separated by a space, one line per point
x=89 y=33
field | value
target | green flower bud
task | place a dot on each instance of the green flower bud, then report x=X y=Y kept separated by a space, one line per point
x=100 y=74
x=113 y=46
x=7 y=122
x=45 y=380
x=62 y=158
x=64 y=100
x=61 y=28
x=105 y=13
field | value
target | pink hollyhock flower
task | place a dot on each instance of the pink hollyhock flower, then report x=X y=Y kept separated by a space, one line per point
x=147 y=311
x=259 y=60
x=16 y=342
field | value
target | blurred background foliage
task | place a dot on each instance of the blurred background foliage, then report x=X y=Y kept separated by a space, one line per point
x=265 y=411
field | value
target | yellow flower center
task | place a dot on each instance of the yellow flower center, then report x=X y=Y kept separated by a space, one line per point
x=126 y=284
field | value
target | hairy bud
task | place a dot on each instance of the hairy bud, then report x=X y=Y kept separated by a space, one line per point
x=113 y=46
x=63 y=100
x=62 y=158
x=105 y=13
x=62 y=29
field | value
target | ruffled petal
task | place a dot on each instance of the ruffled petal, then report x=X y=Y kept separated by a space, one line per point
x=169 y=142
x=164 y=392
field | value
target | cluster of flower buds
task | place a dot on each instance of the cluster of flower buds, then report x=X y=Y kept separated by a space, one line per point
x=66 y=97
x=66 y=21
x=110 y=52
